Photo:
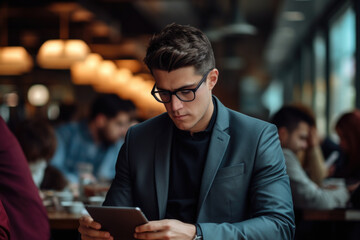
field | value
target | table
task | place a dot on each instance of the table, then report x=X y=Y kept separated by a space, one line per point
x=63 y=220
x=331 y=215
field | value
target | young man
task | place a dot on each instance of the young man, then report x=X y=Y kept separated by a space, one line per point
x=97 y=141
x=201 y=170
x=294 y=126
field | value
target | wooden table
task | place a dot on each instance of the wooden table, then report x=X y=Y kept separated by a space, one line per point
x=63 y=220
x=331 y=215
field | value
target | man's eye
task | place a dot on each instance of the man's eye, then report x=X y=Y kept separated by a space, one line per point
x=185 y=92
x=163 y=94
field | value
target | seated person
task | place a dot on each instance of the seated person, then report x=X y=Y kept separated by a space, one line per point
x=311 y=157
x=95 y=142
x=200 y=170
x=348 y=129
x=38 y=141
x=19 y=195
x=294 y=127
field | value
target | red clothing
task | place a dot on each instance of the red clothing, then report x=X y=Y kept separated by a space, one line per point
x=18 y=193
x=4 y=224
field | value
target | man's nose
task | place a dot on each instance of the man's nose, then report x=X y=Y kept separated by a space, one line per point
x=176 y=103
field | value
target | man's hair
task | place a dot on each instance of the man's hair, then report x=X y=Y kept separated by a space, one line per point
x=110 y=105
x=37 y=139
x=290 y=117
x=178 y=46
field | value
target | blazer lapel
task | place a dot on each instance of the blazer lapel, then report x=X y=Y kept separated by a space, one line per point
x=217 y=148
x=162 y=168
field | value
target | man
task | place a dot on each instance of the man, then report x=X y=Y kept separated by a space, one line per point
x=96 y=142
x=294 y=127
x=19 y=197
x=201 y=170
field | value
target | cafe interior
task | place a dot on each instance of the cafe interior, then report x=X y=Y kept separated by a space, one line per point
x=57 y=56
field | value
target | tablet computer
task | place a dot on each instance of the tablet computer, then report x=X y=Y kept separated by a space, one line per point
x=119 y=221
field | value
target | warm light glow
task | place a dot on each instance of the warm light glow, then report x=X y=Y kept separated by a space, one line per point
x=14 y=61
x=133 y=65
x=104 y=77
x=85 y=72
x=61 y=54
x=38 y=95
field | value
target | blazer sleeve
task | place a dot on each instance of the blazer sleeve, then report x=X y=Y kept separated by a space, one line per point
x=270 y=201
x=120 y=192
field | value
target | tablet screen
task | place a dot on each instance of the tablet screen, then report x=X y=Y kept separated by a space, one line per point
x=119 y=221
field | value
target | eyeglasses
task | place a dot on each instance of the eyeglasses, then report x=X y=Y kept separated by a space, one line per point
x=185 y=95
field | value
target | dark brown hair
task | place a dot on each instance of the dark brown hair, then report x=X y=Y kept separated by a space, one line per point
x=290 y=116
x=349 y=125
x=178 y=46
x=37 y=139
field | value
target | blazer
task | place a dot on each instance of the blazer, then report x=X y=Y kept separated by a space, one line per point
x=245 y=191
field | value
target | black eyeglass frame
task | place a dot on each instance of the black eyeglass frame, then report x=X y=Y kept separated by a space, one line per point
x=153 y=92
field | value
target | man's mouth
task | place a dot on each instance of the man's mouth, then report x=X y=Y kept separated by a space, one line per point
x=179 y=117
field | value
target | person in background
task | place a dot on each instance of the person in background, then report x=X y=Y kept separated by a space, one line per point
x=38 y=142
x=348 y=130
x=294 y=127
x=201 y=170
x=311 y=157
x=4 y=224
x=95 y=142
x=19 y=195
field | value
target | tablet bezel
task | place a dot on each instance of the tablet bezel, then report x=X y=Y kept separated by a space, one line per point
x=119 y=221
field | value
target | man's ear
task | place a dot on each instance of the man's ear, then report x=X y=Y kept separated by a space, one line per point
x=213 y=77
x=283 y=135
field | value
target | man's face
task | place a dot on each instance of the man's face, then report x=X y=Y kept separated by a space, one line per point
x=297 y=139
x=114 y=128
x=191 y=116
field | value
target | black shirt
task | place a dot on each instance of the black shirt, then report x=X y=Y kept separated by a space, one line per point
x=188 y=158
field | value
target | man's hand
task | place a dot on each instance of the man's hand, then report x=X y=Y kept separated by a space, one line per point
x=90 y=230
x=313 y=139
x=165 y=229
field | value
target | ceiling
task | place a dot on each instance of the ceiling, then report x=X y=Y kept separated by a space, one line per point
x=293 y=24
x=121 y=29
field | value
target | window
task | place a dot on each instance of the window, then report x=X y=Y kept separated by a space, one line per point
x=342 y=65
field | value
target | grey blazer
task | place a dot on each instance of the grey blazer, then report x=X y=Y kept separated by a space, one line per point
x=245 y=192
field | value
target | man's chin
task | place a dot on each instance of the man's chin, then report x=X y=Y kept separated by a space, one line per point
x=182 y=126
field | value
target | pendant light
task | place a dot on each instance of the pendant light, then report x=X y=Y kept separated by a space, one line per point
x=14 y=60
x=62 y=53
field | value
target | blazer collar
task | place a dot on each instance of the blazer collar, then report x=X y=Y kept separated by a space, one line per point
x=217 y=147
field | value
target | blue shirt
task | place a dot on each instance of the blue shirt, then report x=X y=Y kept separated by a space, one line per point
x=76 y=145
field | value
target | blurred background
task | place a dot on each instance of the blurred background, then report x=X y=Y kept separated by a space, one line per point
x=55 y=56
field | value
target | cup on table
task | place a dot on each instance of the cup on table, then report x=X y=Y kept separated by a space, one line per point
x=74 y=207
x=96 y=200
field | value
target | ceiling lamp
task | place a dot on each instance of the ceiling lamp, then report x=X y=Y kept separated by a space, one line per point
x=237 y=27
x=61 y=53
x=104 y=76
x=14 y=61
x=132 y=64
x=85 y=72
